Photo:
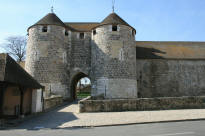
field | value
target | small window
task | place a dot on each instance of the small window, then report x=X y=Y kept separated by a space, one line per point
x=45 y=29
x=64 y=57
x=82 y=35
x=94 y=32
x=121 y=55
x=66 y=33
x=114 y=28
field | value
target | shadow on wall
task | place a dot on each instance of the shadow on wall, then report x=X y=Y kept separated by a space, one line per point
x=104 y=63
x=148 y=53
x=112 y=62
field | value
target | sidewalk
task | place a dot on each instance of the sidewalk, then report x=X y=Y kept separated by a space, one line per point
x=120 y=118
x=68 y=116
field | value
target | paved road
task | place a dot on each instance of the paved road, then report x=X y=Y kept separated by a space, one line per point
x=191 y=128
x=68 y=116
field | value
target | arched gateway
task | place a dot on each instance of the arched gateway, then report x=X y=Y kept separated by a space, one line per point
x=106 y=51
x=74 y=82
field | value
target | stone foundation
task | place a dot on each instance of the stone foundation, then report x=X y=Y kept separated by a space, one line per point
x=118 y=105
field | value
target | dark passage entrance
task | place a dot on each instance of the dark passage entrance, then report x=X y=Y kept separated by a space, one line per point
x=80 y=86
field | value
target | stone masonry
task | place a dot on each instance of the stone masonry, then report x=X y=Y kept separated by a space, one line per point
x=114 y=63
x=59 y=54
x=47 y=58
x=170 y=78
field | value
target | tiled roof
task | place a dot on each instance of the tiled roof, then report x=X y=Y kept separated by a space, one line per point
x=170 y=50
x=113 y=18
x=11 y=72
x=52 y=19
x=49 y=19
x=84 y=27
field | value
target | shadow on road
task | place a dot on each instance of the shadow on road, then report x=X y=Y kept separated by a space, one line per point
x=48 y=120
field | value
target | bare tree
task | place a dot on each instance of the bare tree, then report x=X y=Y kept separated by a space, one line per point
x=16 y=47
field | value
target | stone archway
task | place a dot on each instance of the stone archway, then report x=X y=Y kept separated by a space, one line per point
x=76 y=78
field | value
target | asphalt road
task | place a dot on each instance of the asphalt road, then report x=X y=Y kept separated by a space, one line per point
x=191 y=128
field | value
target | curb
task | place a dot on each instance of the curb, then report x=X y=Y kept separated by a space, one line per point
x=93 y=126
x=137 y=123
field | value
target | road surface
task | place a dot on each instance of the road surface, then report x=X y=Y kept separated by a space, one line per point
x=188 y=128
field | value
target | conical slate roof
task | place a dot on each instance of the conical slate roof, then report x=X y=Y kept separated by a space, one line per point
x=50 y=19
x=113 y=18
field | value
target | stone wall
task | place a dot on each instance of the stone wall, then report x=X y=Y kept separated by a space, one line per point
x=118 y=105
x=113 y=62
x=48 y=58
x=52 y=102
x=81 y=53
x=170 y=78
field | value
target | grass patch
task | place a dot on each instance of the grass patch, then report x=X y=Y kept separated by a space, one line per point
x=83 y=94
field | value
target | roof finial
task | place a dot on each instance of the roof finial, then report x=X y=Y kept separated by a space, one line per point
x=113 y=6
x=52 y=11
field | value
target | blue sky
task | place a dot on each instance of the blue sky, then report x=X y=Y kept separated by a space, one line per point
x=154 y=20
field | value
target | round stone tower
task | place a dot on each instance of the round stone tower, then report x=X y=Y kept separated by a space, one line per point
x=48 y=51
x=113 y=59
